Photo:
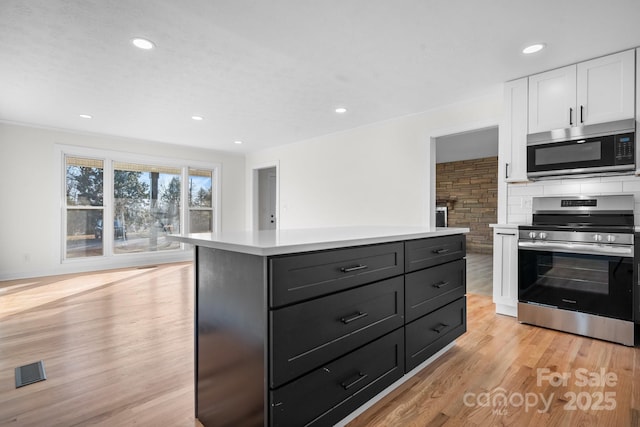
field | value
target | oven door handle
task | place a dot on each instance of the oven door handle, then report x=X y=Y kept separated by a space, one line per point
x=579 y=248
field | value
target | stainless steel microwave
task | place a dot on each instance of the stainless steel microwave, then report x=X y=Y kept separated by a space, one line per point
x=606 y=148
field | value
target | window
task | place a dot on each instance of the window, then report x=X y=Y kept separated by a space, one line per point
x=200 y=201
x=146 y=207
x=115 y=207
x=84 y=203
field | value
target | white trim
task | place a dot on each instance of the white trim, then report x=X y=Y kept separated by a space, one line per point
x=109 y=259
x=120 y=261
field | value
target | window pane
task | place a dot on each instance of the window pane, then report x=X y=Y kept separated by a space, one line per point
x=200 y=221
x=84 y=233
x=146 y=207
x=84 y=181
x=200 y=188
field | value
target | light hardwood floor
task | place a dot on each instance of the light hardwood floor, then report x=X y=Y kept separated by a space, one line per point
x=117 y=348
x=118 y=351
x=480 y=274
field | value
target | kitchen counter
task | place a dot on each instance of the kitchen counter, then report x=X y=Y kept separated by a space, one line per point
x=309 y=326
x=510 y=226
x=280 y=242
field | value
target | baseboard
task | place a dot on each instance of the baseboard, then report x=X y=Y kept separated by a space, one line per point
x=507 y=310
x=111 y=263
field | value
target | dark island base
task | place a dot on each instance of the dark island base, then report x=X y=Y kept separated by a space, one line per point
x=400 y=304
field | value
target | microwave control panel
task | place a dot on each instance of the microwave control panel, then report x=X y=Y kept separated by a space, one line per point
x=625 y=148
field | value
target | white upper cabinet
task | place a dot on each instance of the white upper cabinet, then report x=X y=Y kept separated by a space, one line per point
x=552 y=99
x=606 y=89
x=596 y=91
x=512 y=134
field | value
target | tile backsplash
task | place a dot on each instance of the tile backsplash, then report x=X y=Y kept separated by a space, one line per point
x=519 y=195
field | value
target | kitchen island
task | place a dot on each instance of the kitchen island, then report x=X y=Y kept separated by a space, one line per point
x=303 y=327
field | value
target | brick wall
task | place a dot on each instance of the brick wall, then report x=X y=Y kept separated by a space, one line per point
x=471 y=188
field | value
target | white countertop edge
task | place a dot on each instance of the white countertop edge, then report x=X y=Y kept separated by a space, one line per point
x=512 y=226
x=272 y=248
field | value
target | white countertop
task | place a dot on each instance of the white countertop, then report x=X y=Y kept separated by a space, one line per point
x=278 y=242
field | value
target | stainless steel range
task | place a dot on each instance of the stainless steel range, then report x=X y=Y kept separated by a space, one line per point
x=576 y=266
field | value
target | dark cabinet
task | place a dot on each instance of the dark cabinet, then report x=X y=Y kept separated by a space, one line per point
x=299 y=277
x=435 y=305
x=305 y=339
x=345 y=324
x=431 y=288
x=430 y=333
x=424 y=253
x=305 y=335
x=332 y=391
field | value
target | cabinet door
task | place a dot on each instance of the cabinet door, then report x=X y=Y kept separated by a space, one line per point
x=429 y=334
x=505 y=270
x=306 y=335
x=606 y=88
x=429 y=289
x=512 y=138
x=424 y=253
x=552 y=100
x=299 y=277
x=326 y=395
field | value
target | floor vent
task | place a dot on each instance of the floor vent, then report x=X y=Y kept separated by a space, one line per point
x=29 y=374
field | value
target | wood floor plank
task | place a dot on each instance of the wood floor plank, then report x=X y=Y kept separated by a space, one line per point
x=498 y=353
x=118 y=351
x=117 y=348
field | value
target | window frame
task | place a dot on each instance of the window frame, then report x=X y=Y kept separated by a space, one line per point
x=109 y=157
x=211 y=208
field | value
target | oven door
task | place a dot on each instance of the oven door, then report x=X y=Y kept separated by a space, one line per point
x=583 y=281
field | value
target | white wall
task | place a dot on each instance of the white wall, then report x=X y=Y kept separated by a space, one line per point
x=477 y=144
x=30 y=203
x=381 y=174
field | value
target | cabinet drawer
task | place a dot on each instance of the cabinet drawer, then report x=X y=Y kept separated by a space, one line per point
x=427 y=335
x=425 y=253
x=306 y=335
x=331 y=392
x=299 y=277
x=429 y=289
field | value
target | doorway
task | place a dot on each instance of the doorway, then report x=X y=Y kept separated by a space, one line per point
x=265 y=206
x=466 y=189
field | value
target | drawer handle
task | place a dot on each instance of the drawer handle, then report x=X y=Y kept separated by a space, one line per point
x=440 y=284
x=351 y=382
x=440 y=327
x=358 y=315
x=355 y=268
x=441 y=251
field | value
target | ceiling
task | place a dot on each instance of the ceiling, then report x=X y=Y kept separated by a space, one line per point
x=271 y=72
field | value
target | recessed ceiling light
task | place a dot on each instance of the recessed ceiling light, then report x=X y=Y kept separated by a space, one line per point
x=341 y=110
x=198 y=118
x=143 y=43
x=86 y=116
x=533 y=48
x=237 y=142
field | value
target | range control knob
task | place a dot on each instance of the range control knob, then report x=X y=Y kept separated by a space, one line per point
x=543 y=236
x=532 y=234
x=597 y=237
x=611 y=238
